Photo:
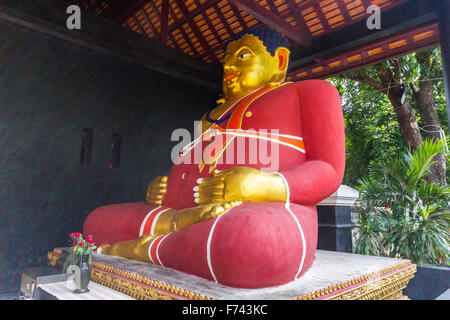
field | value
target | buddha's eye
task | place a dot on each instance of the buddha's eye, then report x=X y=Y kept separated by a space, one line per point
x=243 y=55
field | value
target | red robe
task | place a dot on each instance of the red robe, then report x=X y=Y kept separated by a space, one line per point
x=255 y=244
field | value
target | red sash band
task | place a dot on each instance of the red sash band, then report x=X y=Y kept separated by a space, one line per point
x=149 y=222
x=153 y=250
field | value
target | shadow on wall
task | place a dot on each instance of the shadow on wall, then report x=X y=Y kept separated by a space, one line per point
x=49 y=91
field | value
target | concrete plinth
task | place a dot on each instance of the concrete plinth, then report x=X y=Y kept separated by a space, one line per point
x=333 y=275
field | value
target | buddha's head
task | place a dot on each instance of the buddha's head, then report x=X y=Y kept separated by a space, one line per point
x=254 y=58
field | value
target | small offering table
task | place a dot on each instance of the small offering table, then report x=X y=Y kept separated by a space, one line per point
x=333 y=275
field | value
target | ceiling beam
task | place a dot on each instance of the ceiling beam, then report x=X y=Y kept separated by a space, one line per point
x=155 y=31
x=164 y=20
x=272 y=20
x=125 y=9
x=402 y=18
x=299 y=18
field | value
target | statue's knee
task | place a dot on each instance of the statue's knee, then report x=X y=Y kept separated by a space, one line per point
x=256 y=246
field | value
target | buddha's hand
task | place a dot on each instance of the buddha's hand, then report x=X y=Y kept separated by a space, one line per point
x=242 y=184
x=156 y=190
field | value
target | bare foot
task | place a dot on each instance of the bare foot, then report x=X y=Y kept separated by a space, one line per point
x=105 y=248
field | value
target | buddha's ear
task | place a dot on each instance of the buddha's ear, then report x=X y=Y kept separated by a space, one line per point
x=282 y=55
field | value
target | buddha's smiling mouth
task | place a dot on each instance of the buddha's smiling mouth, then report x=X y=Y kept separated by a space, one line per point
x=231 y=76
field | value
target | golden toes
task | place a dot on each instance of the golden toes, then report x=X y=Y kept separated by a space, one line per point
x=105 y=248
x=221 y=208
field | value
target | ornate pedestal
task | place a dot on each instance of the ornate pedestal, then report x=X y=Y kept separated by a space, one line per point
x=333 y=275
x=335 y=220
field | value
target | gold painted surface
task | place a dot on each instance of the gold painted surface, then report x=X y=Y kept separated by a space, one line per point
x=139 y=287
x=243 y=184
x=248 y=66
x=156 y=191
x=53 y=256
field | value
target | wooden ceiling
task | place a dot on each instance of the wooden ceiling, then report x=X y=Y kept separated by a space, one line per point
x=202 y=28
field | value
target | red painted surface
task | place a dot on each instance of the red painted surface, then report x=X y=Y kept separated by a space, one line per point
x=256 y=244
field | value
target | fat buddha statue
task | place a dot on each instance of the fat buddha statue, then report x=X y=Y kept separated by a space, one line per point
x=232 y=220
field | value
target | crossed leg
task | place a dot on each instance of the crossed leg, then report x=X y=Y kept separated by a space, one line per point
x=252 y=245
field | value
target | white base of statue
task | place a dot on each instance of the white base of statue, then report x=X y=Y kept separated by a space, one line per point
x=333 y=275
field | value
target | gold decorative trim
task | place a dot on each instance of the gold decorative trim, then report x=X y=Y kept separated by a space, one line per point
x=53 y=256
x=385 y=283
x=140 y=287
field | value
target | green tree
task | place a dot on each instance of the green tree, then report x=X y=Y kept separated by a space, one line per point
x=390 y=105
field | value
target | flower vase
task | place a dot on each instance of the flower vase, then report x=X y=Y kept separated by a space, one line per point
x=83 y=274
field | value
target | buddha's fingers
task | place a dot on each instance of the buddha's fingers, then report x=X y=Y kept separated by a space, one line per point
x=158 y=185
x=209 y=194
x=218 y=173
x=208 y=200
x=210 y=188
x=154 y=202
x=216 y=184
x=212 y=180
x=154 y=192
x=156 y=196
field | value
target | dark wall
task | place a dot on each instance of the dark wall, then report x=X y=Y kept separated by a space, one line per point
x=49 y=91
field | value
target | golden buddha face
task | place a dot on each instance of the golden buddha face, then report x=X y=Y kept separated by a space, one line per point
x=248 y=66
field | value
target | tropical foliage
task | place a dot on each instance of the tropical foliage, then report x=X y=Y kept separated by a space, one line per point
x=372 y=127
x=400 y=213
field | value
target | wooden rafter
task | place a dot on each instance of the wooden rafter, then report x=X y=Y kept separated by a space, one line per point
x=147 y=18
x=155 y=31
x=344 y=11
x=321 y=17
x=197 y=32
x=272 y=20
x=208 y=22
x=205 y=28
x=164 y=19
x=183 y=32
x=123 y=10
x=299 y=18
x=193 y=13
x=223 y=20
x=239 y=17
x=141 y=28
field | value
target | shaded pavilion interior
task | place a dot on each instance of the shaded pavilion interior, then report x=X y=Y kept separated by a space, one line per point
x=158 y=48
x=326 y=36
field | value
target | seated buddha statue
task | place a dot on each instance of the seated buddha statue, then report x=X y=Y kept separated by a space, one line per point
x=236 y=222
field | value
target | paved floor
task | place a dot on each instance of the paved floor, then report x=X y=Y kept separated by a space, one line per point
x=444 y=296
x=11 y=295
